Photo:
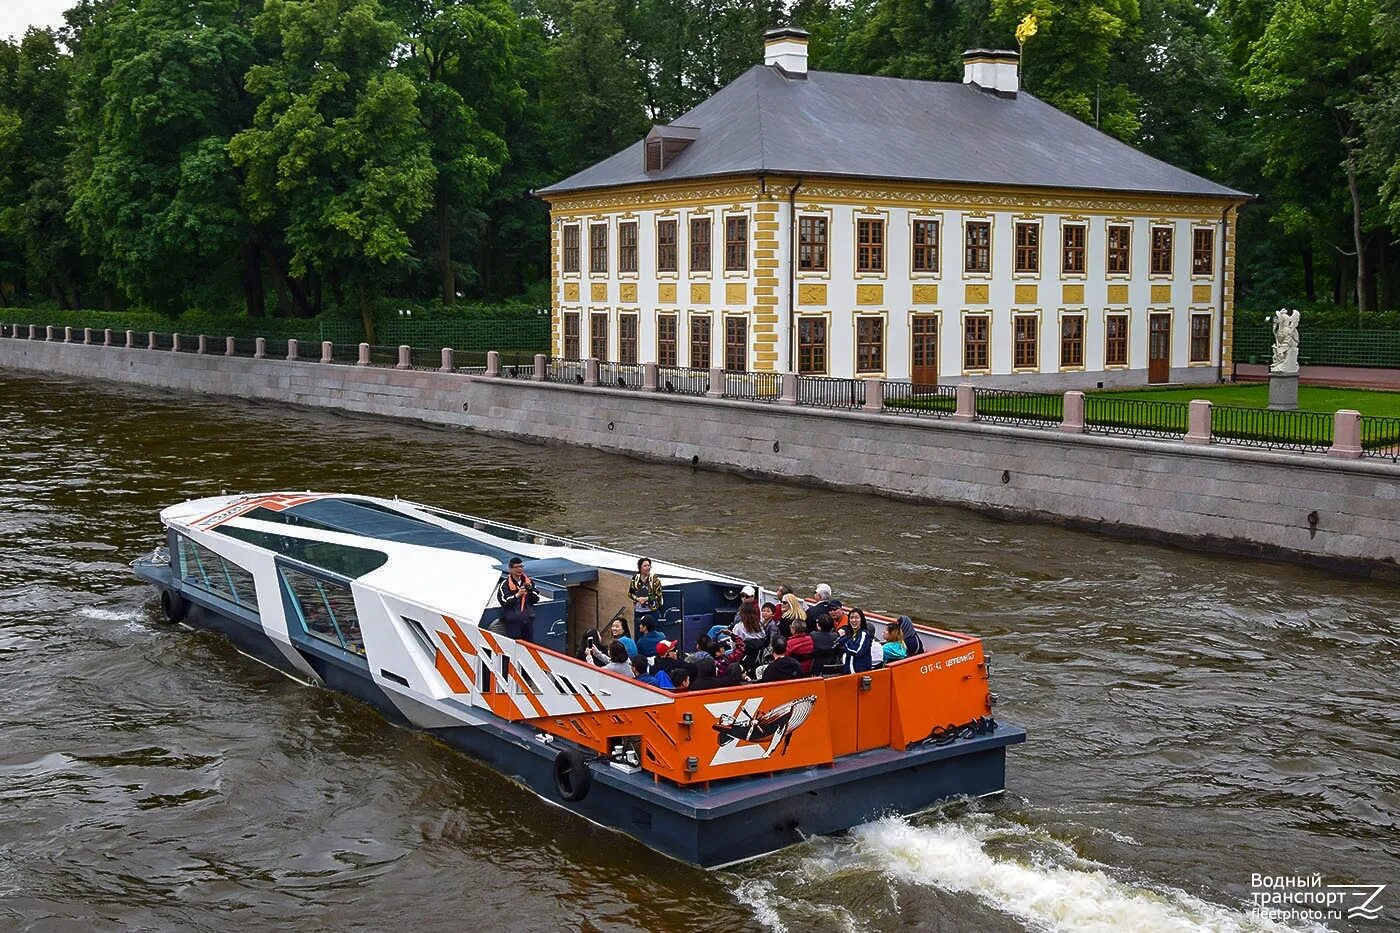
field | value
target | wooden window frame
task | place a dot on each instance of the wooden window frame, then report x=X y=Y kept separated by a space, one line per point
x=871 y=241
x=577 y=335
x=668 y=352
x=985 y=342
x=1082 y=250
x=968 y=247
x=668 y=251
x=819 y=247
x=881 y=344
x=736 y=247
x=1025 y=363
x=1126 y=339
x=825 y=345
x=1192 y=358
x=743 y=346
x=1159 y=259
x=628 y=261
x=1197 y=253
x=1025 y=258
x=1126 y=250
x=929 y=251
x=598 y=248
x=629 y=346
x=1067 y=363
x=593 y=318
x=709 y=342
x=695 y=244
x=565 y=250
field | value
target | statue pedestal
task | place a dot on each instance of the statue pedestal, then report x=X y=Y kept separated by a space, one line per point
x=1283 y=391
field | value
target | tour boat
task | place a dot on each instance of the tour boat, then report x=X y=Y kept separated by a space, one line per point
x=393 y=603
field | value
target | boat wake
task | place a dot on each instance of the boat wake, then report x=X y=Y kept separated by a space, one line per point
x=1017 y=871
x=101 y=614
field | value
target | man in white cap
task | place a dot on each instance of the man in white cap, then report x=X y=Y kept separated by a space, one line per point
x=748 y=596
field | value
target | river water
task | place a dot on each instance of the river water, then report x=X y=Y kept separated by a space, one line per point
x=1193 y=718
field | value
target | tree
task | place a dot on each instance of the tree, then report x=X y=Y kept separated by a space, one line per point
x=337 y=157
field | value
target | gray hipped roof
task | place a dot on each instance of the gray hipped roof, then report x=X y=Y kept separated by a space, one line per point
x=894 y=129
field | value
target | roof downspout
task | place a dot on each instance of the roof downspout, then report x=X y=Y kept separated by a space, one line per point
x=792 y=276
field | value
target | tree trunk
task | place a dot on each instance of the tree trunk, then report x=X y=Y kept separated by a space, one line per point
x=1309 y=277
x=1385 y=275
x=254 y=296
x=291 y=300
x=1357 y=238
x=1369 y=285
x=449 y=282
x=366 y=315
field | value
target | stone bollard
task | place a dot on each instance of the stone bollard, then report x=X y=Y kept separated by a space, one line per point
x=327 y=351
x=493 y=364
x=87 y=336
x=364 y=355
x=590 y=371
x=716 y=389
x=1198 y=422
x=259 y=348
x=1073 y=422
x=201 y=346
x=541 y=368
x=49 y=332
x=966 y=409
x=648 y=377
x=107 y=337
x=789 y=396
x=67 y=335
x=230 y=347
x=174 y=343
x=874 y=395
x=293 y=348
x=1346 y=435
x=448 y=363
x=33 y=331
x=405 y=357
x=151 y=342
x=130 y=339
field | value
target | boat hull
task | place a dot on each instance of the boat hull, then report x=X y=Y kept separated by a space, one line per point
x=727 y=822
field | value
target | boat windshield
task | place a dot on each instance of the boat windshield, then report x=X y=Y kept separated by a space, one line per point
x=341 y=559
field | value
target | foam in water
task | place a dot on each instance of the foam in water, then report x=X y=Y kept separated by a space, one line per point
x=1044 y=894
x=111 y=615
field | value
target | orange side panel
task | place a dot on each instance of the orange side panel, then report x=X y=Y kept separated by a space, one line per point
x=943 y=688
x=873 y=711
x=444 y=667
x=841 y=694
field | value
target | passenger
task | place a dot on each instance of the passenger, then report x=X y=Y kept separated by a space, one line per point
x=748 y=596
x=729 y=658
x=640 y=672
x=702 y=651
x=856 y=638
x=877 y=643
x=781 y=667
x=645 y=593
x=517 y=596
x=800 y=646
x=755 y=637
x=894 y=649
x=705 y=678
x=618 y=662
x=912 y=645
x=771 y=617
x=647 y=636
x=676 y=679
x=826 y=654
x=793 y=610
x=667 y=656
x=617 y=632
x=822 y=601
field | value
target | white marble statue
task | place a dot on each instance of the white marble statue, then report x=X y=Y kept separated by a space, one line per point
x=1285 y=342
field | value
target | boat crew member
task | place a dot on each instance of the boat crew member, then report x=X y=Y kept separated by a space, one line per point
x=517 y=596
x=645 y=592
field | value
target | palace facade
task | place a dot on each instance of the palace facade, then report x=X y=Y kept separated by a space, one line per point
x=847 y=225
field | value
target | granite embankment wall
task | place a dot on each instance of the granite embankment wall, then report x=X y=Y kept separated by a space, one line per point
x=1245 y=501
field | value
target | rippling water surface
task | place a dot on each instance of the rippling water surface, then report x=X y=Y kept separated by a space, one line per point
x=1193 y=718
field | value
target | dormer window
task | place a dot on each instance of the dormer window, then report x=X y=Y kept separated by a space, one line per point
x=665 y=143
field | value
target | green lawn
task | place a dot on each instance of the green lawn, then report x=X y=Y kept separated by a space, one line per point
x=1310 y=398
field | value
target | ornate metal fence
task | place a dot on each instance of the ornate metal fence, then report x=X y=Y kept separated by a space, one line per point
x=1275 y=430
x=1104 y=414
x=908 y=398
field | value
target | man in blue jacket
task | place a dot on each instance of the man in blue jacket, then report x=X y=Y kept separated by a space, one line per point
x=648 y=638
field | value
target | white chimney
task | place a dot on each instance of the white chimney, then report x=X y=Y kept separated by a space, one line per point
x=786 y=48
x=995 y=70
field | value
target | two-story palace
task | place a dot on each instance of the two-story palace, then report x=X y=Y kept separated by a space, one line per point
x=847 y=225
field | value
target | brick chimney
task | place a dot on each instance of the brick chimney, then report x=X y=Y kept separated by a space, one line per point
x=786 y=48
x=997 y=71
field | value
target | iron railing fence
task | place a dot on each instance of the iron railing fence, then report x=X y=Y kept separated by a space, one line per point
x=682 y=380
x=517 y=365
x=275 y=348
x=425 y=358
x=753 y=387
x=346 y=354
x=161 y=342
x=1380 y=437
x=830 y=392
x=247 y=346
x=1028 y=409
x=381 y=355
x=565 y=370
x=1274 y=430
x=1104 y=414
x=620 y=375
x=912 y=398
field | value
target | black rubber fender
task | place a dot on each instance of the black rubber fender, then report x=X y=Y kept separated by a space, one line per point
x=174 y=606
x=573 y=779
